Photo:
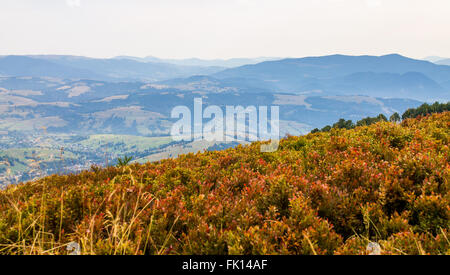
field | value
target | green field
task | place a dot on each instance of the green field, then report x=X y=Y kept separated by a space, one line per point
x=124 y=144
x=21 y=160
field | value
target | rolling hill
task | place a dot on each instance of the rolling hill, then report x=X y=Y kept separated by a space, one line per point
x=323 y=193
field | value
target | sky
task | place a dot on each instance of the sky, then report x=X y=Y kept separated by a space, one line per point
x=224 y=29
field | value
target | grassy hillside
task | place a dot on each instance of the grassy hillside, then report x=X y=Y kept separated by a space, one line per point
x=38 y=156
x=125 y=144
x=324 y=193
x=31 y=160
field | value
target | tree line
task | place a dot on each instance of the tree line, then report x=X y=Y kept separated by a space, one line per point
x=422 y=110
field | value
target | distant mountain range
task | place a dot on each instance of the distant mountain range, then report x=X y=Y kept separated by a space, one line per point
x=226 y=63
x=378 y=76
x=385 y=76
x=74 y=67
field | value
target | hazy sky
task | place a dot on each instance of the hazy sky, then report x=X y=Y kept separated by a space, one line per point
x=225 y=28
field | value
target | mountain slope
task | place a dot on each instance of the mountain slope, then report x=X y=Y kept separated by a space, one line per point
x=324 y=193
